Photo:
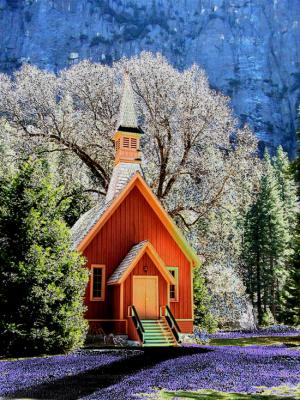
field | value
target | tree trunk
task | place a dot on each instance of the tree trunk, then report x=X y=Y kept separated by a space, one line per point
x=258 y=290
x=273 y=291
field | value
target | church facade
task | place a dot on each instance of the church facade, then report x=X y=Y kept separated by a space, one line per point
x=141 y=265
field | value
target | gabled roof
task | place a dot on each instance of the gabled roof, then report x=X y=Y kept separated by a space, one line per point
x=86 y=222
x=121 y=175
x=133 y=257
x=84 y=231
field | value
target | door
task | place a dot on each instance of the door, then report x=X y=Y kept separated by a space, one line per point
x=145 y=296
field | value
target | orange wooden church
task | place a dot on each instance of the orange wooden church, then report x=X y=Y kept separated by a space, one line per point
x=141 y=264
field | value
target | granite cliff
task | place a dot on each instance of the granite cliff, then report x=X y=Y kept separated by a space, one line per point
x=250 y=49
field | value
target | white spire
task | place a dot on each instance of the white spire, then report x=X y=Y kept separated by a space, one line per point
x=127 y=118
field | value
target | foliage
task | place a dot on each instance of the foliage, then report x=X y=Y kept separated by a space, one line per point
x=42 y=279
x=78 y=203
x=292 y=287
x=229 y=302
x=268 y=239
x=202 y=315
x=267 y=318
x=202 y=167
x=292 y=291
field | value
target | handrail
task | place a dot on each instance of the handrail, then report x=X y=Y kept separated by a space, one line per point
x=137 y=323
x=172 y=323
x=173 y=318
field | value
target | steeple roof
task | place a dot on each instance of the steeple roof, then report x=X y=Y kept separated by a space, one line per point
x=127 y=117
x=127 y=161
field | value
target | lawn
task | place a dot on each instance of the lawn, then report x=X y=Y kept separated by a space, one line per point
x=257 y=341
x=279 y=393
x=191 y=372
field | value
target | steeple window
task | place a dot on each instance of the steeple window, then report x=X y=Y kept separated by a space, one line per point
x=126 y=142
x=133 y=143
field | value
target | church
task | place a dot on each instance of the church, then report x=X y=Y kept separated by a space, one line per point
x=141 y=265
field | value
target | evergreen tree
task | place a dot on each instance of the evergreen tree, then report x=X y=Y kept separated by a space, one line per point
x=287 y=187
x=292 y=288
x=42 y=279
x=266 y=244
x=288 y=193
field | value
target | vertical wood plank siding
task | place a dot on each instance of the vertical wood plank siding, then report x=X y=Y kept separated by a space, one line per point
x=134 y=221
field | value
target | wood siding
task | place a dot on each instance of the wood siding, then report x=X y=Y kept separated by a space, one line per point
x=132 y=222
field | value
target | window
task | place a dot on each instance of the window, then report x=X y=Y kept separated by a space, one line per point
x=97 y=282
x=117 y=144
x=133 y=143
x=125 y=142
x=174 y=288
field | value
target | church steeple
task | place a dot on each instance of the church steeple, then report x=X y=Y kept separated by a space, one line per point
x=127 y=143
x=127 y=136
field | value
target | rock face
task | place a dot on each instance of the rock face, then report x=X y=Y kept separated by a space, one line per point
x=250 y=49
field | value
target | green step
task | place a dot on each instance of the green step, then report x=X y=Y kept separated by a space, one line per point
x=150 y=320
x=166 y=333
x=158 y=345
x=157 y=334
x=161 y=339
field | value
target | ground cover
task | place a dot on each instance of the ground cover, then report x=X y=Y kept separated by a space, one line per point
x=276 y=335
x=276 y=393
x=273 y=331
x=132 y=374
x=257 y=340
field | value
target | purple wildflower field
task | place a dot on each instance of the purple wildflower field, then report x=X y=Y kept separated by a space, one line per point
x=123 y=374
x=276 y=330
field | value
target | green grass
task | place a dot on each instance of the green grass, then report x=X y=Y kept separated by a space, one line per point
x=257 y=341
x=280 y=393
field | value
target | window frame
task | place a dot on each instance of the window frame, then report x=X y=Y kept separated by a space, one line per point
x=103 y=268
x=176 y=276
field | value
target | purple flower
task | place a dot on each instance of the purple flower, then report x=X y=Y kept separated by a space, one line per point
x=124 y=373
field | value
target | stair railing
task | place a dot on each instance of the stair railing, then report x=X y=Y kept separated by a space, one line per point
x=171 y=321
x=137 y=322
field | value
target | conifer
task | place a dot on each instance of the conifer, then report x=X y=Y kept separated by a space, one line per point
x=42 y=278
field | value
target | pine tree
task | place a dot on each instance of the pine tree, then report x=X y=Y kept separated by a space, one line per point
x=266 y=244
x=42 y=279
x=288 y=192
x=287 y=187
x=292 y=288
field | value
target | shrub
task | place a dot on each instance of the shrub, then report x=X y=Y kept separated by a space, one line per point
x=42 y=279
x=203 y=317
x=268 y=318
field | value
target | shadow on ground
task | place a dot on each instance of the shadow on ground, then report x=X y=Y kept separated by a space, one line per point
x=85 y=383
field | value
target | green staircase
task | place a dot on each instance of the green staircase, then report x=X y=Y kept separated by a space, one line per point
x=157 y=333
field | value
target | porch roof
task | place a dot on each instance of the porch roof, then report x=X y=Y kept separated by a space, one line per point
x=133 y=257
